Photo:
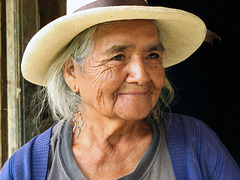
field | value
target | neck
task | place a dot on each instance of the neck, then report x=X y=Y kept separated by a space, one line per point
x=101 y=129
x=110 y=147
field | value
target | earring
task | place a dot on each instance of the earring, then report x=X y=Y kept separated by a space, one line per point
x=77 y=124
x=75 y=89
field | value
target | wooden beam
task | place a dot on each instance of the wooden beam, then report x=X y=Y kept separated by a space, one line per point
x=22 y=23
x=3 y=86
x=1 y=135
x=13 y=74
x=30 y=24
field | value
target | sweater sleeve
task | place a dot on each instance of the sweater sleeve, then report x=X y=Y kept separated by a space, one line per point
x=8 y=168
x=19 y=164
x=215 y=161
x=30 y=161
x=196 y=152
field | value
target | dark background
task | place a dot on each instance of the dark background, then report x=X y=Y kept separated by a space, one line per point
x=207 y=83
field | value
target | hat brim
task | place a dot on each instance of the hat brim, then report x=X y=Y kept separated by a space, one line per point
x=182 y=34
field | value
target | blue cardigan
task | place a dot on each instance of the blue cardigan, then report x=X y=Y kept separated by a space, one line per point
x=195 y=151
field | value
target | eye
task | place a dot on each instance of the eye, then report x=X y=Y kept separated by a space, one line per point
x=119 y=57
x=153 y=56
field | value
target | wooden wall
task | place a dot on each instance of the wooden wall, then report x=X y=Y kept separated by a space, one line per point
x=3 y=87
x=20 y=20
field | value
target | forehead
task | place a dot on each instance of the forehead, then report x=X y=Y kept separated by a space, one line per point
x=127 y=30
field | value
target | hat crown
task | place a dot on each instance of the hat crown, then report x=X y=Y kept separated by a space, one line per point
x=75 y=5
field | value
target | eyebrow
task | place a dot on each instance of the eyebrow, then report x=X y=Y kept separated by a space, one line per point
x=121 y=48
x=158 y=47
x=116 y=49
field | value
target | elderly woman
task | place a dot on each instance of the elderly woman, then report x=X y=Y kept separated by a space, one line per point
x=103 y=67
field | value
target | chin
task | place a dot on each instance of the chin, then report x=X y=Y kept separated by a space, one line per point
x=134 y=109
x=133 y=115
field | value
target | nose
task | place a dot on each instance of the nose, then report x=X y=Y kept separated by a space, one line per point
x=137 y=72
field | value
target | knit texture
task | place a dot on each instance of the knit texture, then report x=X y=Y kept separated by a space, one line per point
x=30 y=161
x=195 y=151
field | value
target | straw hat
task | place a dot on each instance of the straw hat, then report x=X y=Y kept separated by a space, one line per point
x=182 y=32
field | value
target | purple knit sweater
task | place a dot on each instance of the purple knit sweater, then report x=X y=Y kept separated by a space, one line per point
x=195 y=151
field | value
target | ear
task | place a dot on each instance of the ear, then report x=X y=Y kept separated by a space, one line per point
x=70 y=75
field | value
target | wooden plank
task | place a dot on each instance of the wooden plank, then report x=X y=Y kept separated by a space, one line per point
x=13 y=89
x=3 y=86
x=30 y=24
x=22 y=24
x=1 y=135
x=1 y=143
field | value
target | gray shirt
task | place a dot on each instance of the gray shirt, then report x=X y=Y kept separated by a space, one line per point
x=155 y=163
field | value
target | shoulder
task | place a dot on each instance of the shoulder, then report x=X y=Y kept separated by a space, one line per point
x=200 y=147
x=193 y=129
x=30 y=160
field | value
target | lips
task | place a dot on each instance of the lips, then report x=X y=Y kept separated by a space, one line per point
x=134 y=93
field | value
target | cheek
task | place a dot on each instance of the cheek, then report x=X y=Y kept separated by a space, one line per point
x=106 y=79
x=105 y=82
x=158 y=78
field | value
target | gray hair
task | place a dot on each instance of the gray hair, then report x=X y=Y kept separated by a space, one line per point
x=63 y=102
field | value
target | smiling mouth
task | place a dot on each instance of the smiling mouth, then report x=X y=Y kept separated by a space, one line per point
x=133 y=93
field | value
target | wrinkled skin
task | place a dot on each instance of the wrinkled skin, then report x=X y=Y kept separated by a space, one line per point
x=123 y=75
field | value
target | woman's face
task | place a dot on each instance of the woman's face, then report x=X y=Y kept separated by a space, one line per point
x=123 y=75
